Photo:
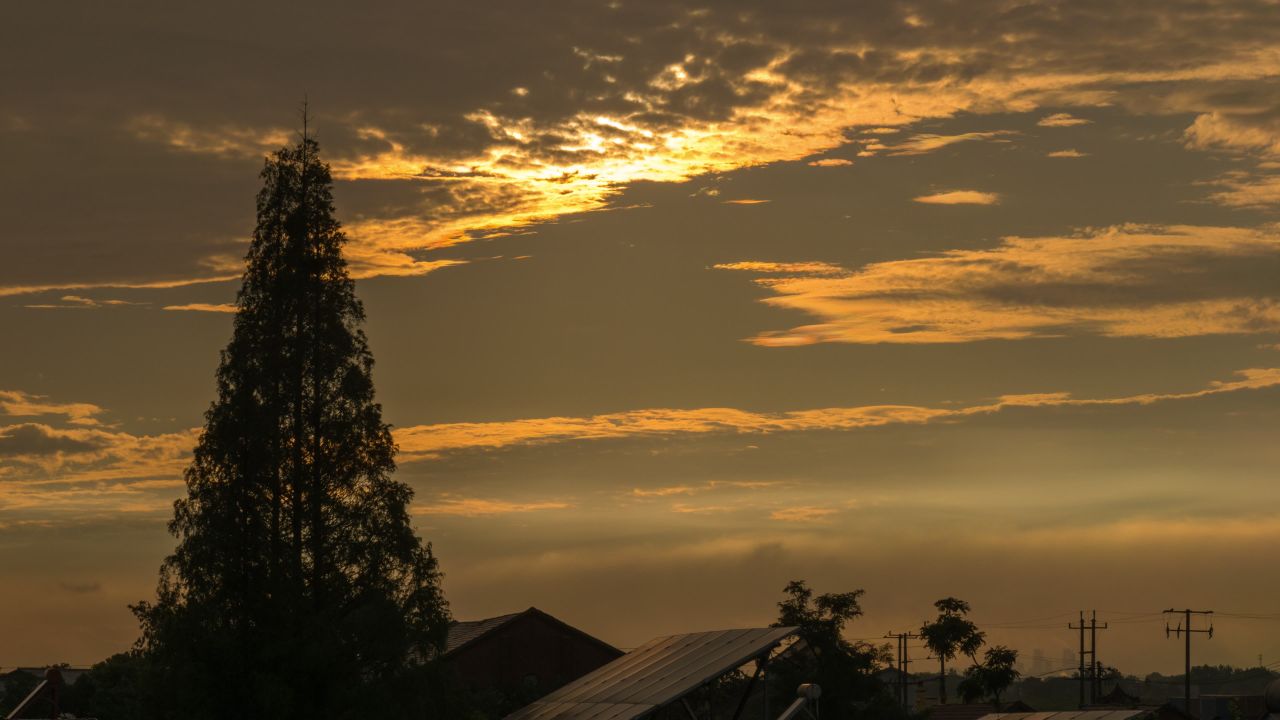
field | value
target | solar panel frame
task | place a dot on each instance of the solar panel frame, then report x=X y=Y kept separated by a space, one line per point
x=1127 y=714
x=654 y=675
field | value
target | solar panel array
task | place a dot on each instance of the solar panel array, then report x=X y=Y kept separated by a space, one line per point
x=654 y=675
x=1068 y=715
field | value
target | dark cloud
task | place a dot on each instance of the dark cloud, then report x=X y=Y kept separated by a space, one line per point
x=32 y=440
x=83 y=587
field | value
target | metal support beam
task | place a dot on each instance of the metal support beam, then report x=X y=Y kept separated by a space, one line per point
x=742 y=702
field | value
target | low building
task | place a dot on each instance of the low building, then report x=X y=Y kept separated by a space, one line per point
x=974 y=711
x=511 y=660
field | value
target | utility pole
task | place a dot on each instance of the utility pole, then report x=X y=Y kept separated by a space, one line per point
x=1081 y=627
x=1187 y=629
x=1094 y=667
x=903 y=662
x=1094 y=627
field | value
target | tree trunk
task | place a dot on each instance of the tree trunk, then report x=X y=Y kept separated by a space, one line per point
x=942 y=682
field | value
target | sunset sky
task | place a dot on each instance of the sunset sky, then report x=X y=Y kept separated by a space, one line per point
x=675 y=302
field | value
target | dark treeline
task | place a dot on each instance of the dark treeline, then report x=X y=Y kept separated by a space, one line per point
x=1062 y=692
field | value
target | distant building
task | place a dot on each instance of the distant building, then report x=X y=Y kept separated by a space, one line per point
x=514 y=659
x=1068 y=658
x=1117 y=697
x=975 y=711
x=1040 y=664
x=1231 y=707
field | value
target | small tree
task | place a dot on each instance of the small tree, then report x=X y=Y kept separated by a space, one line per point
x=298 y=587
x=844 y=670
x=951 y=633
x=992 y=676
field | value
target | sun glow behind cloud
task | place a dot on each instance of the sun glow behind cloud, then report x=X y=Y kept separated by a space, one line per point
x=520 y=179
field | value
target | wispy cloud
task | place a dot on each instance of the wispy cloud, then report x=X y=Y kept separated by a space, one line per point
x=664 y=491
x=1069 y=153
x=1062 y=120
x=93 y=470
x=788 y=268
x=803 y=514
x=929 y=142
x=960 y=197
x=745 y=201
x=1247 y=131
x=21 y=404
x=830 y=162
x=204 y=307
x=77 y=302
x=709 y=486
x=1124 y=281
x=483 y=507
x=218 y=140
x=40 y=453
x=1242 y=189
x=26 y=289
x=431 y=441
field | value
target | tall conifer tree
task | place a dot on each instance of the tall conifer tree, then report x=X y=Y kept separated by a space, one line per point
x=298 y=587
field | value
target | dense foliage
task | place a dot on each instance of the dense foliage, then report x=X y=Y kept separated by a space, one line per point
x=298 y=587
x=845 y=670
x=951 y=633
x=991 y=677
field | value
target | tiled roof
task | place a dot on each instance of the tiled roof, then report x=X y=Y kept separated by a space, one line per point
x=461 y=633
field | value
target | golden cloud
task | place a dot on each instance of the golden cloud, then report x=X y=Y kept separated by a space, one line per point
x=482 y=507
x=41 y=454
x=928 y=142
x=517 y=181
x=1062 y=120
x=20 y=404
x=11 y=290
x=663 y=491
x=203 y=307
x=1038 y=287
x=804 y=514
x=1219 y=130
x=960 y=197
x=789 y=268
x=430 y=441
x=1246 y=190
x=1069 y=153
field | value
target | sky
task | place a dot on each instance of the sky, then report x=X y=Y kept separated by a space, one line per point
x=673 y=303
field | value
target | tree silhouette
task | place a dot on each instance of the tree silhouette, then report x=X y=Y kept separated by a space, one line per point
x=298 y=587
x=992 y=676
x=949 y=634
x=844 y=670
